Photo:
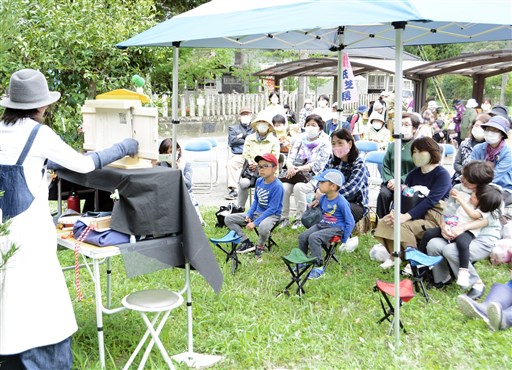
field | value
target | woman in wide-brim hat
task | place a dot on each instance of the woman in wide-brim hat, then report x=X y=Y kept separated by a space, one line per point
x=36 y=314
x=496 y=151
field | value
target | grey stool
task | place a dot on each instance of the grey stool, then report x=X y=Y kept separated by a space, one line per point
x=157 y=301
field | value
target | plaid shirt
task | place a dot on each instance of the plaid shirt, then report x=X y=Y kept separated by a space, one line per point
x=355 y=187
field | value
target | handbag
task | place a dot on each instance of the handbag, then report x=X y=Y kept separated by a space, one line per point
x=311 y=216
x=298 y=177
x=248 y=174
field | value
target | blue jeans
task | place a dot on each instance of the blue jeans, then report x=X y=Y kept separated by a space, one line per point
x=53 y=356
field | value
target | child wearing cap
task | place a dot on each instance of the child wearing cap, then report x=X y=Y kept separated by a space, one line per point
x=337 y=219
x=265 y=210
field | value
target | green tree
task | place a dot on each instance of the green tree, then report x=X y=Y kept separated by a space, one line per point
x=73 y=44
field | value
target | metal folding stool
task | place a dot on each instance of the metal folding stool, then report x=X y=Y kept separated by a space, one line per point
x=388 y=289
x=299 y=266
x=157 y=301
x=231 y=240
x=270 y=242
x=420 y=263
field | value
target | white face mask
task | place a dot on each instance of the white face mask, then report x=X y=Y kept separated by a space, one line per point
x=377 y=125
x=492 y=137
x=262 y=128
x=322 y=103
x=245 y=119
x=308 y=106
x=274 y=99
x=478 y=133
x=311 y=131
x=407 y=132
x=486 y=107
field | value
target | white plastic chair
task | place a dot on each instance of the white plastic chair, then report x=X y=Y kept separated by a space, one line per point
x=156 y=301
x=373 y=161
x=200 y=155
x=448 y=150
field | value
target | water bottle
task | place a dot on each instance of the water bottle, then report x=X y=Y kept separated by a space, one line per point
x=73 y=202
x=449 y=212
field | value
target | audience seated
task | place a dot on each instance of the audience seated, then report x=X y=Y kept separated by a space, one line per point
x=345 y=158
x=236 y=140
x=259 y=142
x=496 y=151
x=308 y=157
x=426 y=213
x=410 y=124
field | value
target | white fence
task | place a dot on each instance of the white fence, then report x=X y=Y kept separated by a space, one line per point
x=225 y=106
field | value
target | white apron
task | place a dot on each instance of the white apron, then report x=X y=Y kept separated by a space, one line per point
x=35 y=307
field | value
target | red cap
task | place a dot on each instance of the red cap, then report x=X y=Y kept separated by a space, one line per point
x=266 y=157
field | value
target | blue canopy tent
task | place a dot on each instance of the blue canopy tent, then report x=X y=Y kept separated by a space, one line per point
x=333 y=25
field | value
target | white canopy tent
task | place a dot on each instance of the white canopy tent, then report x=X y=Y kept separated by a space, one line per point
x=332 y=25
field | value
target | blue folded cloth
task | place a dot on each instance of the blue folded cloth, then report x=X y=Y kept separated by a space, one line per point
x=101 y=239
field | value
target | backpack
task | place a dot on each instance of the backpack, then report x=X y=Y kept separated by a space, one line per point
x=224 y=211
x=352 y=120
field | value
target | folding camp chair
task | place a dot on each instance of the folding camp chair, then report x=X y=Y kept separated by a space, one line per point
x=155 y=301
x=270 y=242
x=388 y=290
x=299 y=266
x=230 y=241
x=420 y=265
x=330 y=248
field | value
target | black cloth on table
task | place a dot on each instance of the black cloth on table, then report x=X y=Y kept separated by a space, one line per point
x=155 y=201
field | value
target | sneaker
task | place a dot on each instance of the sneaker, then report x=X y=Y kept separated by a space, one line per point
x=316 y=273
x=284 y=223
x=471 y=308
x=387 y=264
x=296 y=224
x=231 y=195
x=463 y=278
x=407 y=270
x=245 y=246
x=496 y=319
x=258 y=252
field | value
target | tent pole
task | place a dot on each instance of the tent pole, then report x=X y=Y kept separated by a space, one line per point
x=339 y=82
x=399 y=28
x=175 y=97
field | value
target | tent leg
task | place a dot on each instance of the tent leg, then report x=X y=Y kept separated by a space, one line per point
x=190 y=358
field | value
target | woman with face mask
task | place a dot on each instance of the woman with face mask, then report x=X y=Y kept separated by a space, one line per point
x=274 y=106
x=410 y=124
x=377 y=130
x=496 y=151
x=345 y=158
x=307 y=157
x=322 y=108
x=463 y=155
x=261 y=141
x=426 y=155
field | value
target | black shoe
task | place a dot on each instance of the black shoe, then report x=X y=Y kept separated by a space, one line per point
x=475 y=294
x=232 y=195
x=245 y=247
x=440 y=285
x=258 y=252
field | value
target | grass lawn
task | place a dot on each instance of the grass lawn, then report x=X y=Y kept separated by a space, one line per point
x=332 y=327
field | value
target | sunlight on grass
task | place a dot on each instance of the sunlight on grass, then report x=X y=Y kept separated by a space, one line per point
x=334 y=326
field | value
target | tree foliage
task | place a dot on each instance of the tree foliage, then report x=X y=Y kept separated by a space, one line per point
x=73 y=44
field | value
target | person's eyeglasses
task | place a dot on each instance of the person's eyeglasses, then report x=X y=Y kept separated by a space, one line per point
x=264 y=166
